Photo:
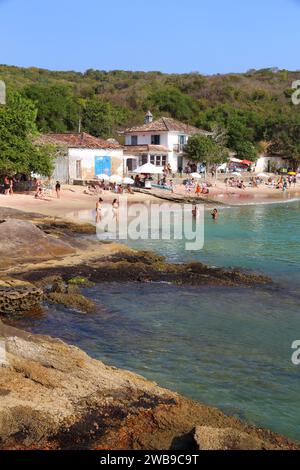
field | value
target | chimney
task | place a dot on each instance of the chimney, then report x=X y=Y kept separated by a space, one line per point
x=148 y=117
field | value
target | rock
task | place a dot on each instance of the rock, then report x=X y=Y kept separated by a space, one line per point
x=72 y=299
x=208 y=438
x=22 y=242
x=18 y=296
x=54 y=396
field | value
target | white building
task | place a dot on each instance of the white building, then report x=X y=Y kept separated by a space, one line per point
x=159 y=142
x=81 y=157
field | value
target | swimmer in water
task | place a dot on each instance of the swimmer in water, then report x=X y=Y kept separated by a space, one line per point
x=215 y=214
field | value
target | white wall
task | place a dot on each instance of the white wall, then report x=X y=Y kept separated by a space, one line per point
x=87 y=157
x=262 y=163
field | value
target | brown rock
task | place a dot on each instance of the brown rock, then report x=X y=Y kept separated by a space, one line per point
x=208 y=438
x=54 y=396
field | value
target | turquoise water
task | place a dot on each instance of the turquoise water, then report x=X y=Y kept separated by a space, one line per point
x=229 y=347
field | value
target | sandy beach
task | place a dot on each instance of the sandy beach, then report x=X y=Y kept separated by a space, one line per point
x=74 y=201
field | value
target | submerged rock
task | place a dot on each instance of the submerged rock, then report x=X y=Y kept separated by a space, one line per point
x=54 y=396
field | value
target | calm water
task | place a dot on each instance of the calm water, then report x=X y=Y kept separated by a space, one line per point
x=226 y=347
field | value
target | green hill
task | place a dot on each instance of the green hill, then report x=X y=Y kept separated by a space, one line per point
x=251 y=107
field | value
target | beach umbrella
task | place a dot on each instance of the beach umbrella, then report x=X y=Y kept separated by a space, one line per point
x=263 y=175
x=246 y=162
x=236 y=173
x=128 y=181
x=149 y=169
x=103 y=177
x=235 y=160
x=116 y=179
x=196 y=176
x=292 y=173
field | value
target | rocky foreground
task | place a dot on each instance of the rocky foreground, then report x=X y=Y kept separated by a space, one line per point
x=53 y=396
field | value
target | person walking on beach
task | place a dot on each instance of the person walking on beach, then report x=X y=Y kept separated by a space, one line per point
x=98 y=210
x=57 y=189
x=115 y=209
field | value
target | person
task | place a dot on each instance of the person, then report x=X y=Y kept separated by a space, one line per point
x=215 y=214
x=98 y=210
x=115 y=209
x=195 y=212
x=11 y=186
x=172 y=186
x=295 y=180
x=198 y=190
x=57 y=189
x=6 y=186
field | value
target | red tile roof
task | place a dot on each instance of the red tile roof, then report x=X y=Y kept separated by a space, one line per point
x=167 y=124
x=138 y=149
x=76 y=140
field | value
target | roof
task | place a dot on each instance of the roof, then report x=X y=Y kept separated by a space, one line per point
x=76 y=140
x=165 y=124
x=138 y=149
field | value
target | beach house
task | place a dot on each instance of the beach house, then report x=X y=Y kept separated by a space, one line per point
x=81 y=157
x=159 y=142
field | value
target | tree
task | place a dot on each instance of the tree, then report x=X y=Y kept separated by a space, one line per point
x=57 y=108
x=172 y=101
x=201 y=148
x=101 y=118
x=18 y=154
x=285 y=137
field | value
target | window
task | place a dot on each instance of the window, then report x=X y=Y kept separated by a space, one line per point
x=134 y=140
x=158 y=160
x=155 y=140
x=182 y=140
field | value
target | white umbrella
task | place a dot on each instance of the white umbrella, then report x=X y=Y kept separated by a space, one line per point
x=263 y=175
x=116 y=179
x=235 y=160
x=236 y=173
x=149 y=169
x=196 y=176
x=128 y=181
x=103 y=177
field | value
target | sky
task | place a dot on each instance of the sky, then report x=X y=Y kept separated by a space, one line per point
x=207 y=36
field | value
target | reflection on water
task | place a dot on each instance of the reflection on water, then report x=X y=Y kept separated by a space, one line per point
x=226 y=347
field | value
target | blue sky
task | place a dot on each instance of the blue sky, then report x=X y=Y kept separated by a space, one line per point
x=169 y=35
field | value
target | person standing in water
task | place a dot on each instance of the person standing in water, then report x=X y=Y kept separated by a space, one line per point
x=57 y=189
x=98 y=210
x=115 y=209
x=215 y=214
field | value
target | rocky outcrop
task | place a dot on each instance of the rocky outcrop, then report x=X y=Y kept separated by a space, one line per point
x=18 y=296
x=53 y=396
x=22 y=242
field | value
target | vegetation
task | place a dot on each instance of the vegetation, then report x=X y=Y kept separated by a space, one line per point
x=17 y=130
x=249 y=108
x=205 y=149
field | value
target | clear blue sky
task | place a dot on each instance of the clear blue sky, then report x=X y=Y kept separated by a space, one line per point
x=168 y=35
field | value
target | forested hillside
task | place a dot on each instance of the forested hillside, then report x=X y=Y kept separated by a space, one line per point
x=245 y=108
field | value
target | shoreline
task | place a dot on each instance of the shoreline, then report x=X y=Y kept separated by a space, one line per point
x=108 y=265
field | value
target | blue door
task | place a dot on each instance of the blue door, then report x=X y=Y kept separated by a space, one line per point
x=103 y=166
